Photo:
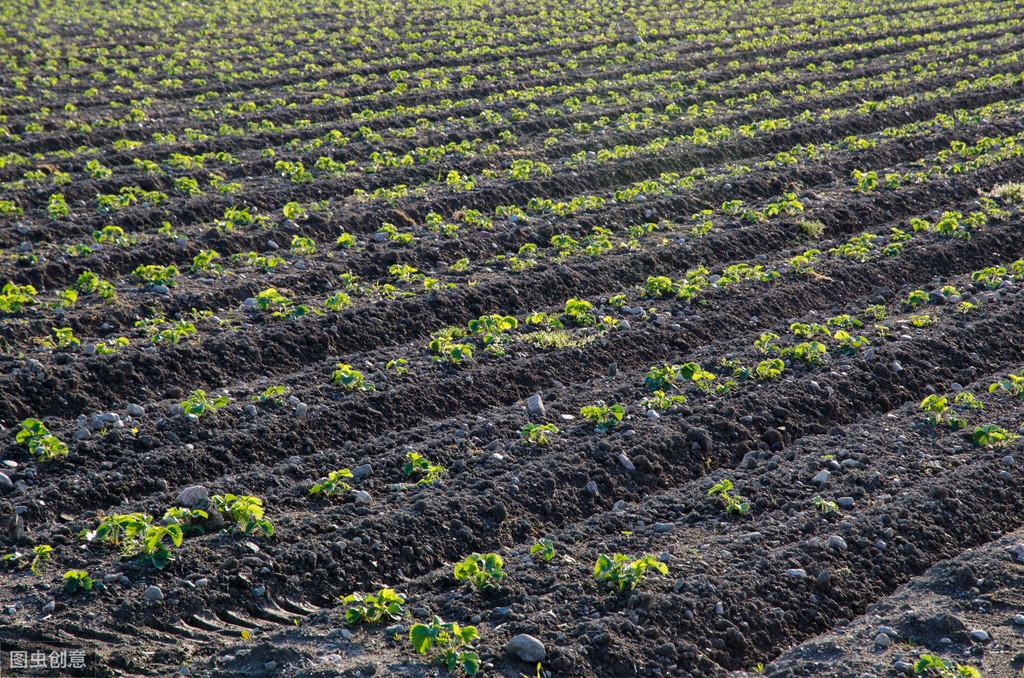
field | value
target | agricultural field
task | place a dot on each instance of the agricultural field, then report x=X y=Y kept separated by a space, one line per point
x=453 y=337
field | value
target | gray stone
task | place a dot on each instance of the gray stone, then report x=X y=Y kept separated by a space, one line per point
x=153 y=594
x=662 y=527
x=837 y=542
x=526 y=648
x=845 y=502
x=135 y=410
x=194 y=497
x=5 y=483
x=361 y=471
x=797 y=572
x=535 y=406
x=821 y=477
x=362 y=497
x=626 y=463
x=980 y=635
x=883 y=640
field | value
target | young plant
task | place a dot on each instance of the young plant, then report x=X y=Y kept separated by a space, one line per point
x=384 y=606
x=157 y=275
x=446 y=349
x=418 y=466
x=940 y=413
x=544 y=550
x=492 y=330
x=991 y=435
x=63 y=338
x=449 y=644
x=826 y=506
x=659 y=400
x=246 y=511
x=334 y=484
x=398 y=366
x=937 y=667
x=733 y=503
x=78 y=581
x=40 y=442
x=625 y=573
x=199 y=403
x=604 y=417
x=484 y=571
x=351 y=378
x=278 y=305
x=157 y=542
x=15 y=297
x=537 y=434
x=769 y=369
x=271 y=395
x=41 y=555
x=1013 y=384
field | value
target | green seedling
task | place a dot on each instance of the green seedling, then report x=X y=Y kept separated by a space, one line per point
x=186 y=518
x=199 y=403
x=397 y=365
x=448 y=643
x=579 y=312
x=604 y=417
x=278 y=305
x=492 y=330
x=373 y=608
x=350 y=378
x=1013 y=384
x=40 y=442
x=991 y=435
x=157 y=275
x=624 y=572
x=246 y=511
x=733 y=503
x=271 y=395
x=769 y=369
x=484 y=571
x=41 y=555
x=63 y=338
x=544 y=550
x=13 y=298
x=659 y=400
x=826 y=506
x=937 y=667
x=78 y=581
x=334 y=484
x=538 y=434
x=422 y=469
x=137 y=534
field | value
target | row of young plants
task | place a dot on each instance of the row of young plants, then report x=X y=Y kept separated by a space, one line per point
x=979 y=326
x=788 y=522
x=395 y=78
x=186 y=178
x=276 y=304
x=702 y=110
x=812 y=345
x=114 y=235
x=816 y=508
